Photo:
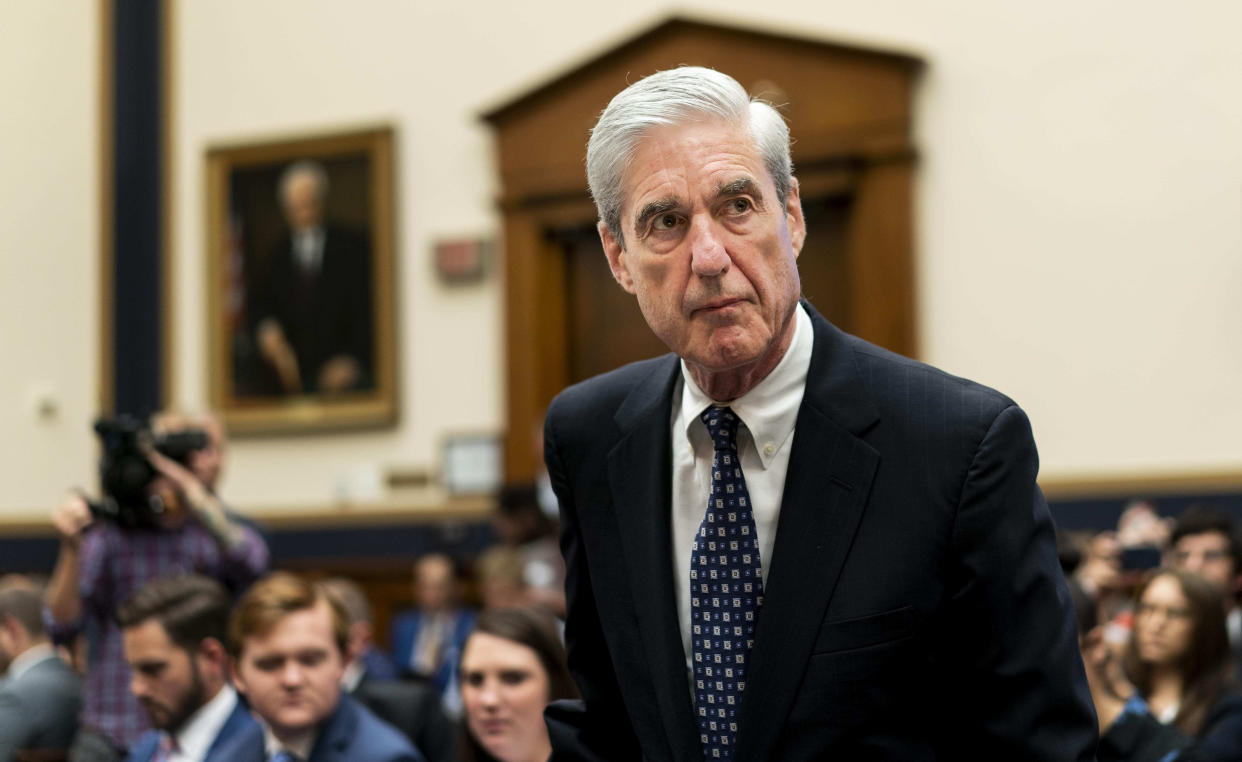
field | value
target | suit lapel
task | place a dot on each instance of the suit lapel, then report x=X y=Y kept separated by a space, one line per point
x=639 y=471
x=826 y=488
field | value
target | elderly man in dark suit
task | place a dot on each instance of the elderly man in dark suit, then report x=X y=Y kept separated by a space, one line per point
x=312 y=307
x=41 y=695
x=783 y=542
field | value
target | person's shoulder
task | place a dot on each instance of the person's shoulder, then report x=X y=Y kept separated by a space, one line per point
x=49 y=676
x=144 y=748
x=246 y=745
x=607 y=391
x=376 y=738
x=897 y=381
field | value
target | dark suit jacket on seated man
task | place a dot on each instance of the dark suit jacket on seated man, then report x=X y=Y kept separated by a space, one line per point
x=39 y=694
x=874 y=575
x=289 y=639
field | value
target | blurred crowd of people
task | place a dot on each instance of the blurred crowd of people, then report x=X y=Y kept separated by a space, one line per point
x=1161 y=632
x=174 y=640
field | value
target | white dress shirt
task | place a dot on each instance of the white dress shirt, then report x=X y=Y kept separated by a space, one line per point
x=308 y=248
x=765 y=438
x=200 y=731
x=300 y=746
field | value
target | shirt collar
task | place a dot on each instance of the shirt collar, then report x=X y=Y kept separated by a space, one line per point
x=354 y=672
x=197 y=733
x=23 y=662
x=301 y=745
x=769 y=410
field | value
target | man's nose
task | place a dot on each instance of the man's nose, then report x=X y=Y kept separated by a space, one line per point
x=708 y=257
x=291 y=675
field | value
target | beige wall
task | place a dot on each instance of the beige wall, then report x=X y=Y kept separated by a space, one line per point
x=48 y=249
x=1079 y=208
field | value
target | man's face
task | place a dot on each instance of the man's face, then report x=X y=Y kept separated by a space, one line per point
x=433 y=583
x=292 y=673
x=163 y=677
x=208 y=462
x=710 y=252
x=303 y=206
x=1207 y=555
x=8 y=645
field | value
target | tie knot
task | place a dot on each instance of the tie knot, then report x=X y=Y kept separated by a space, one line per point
x=721 y=424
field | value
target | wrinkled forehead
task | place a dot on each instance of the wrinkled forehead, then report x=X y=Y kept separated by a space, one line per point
x=714 y=146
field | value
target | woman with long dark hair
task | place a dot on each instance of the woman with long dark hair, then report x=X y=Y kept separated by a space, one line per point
x=1178 y=673
x=512 y=666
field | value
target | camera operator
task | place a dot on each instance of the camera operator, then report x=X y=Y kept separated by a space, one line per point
x=103 y=562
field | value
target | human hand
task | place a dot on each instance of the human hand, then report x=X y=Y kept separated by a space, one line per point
x=181 y=477
x=275 y=348
x=339 y=374
x=71 y=518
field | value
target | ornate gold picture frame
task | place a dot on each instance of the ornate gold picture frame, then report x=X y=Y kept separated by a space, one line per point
x=300 y=283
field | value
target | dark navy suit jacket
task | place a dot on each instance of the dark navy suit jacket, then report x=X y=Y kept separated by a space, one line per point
x=914 y=608
x=239 y=722
x=350 y=734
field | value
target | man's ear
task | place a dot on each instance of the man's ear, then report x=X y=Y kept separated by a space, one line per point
x=213 y=651
x=793 y=217
x=616 y=257
x=235 y=677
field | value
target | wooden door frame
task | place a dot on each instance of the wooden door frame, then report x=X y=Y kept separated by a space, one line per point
x=865 y=152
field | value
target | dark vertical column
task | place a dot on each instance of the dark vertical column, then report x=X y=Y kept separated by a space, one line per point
x=136 y=192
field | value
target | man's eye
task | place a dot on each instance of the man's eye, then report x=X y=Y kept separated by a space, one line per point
x=739 y=205
x=267 y=665
x=665 y=222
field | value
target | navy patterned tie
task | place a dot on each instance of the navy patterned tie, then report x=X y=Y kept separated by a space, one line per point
x=726 y=591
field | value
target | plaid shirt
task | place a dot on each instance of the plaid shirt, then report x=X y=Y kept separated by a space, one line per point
x=115 y=563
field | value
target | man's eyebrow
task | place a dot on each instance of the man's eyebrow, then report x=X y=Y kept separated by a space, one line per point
x=653 y=209
x=740 y=186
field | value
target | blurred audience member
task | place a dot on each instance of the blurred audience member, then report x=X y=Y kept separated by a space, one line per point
x=1177 y=671
x=101 y=563
x=367 y=663
x=173 y=631
x=427 y=640
x=499 y=573
x=288 y=639
x=521 y=524
x=41 y=695
x=1207 y=542
x=412 y=707
x=512 y=667
x=1140 y=526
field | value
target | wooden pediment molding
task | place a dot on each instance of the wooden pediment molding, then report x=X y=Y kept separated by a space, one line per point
x=849 y=111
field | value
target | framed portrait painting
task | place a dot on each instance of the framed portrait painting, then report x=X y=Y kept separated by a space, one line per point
x=300 y=283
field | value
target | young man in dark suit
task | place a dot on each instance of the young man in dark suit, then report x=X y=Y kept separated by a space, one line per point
x=173 y=632
x=781 y=541
x=39 y=694
x=288 y=640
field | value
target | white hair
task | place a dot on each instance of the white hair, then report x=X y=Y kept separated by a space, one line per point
x=312 y=169
x=677 y=96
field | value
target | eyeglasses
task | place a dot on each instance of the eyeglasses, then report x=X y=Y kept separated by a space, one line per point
x=1170 y=612
x=1182 y=556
